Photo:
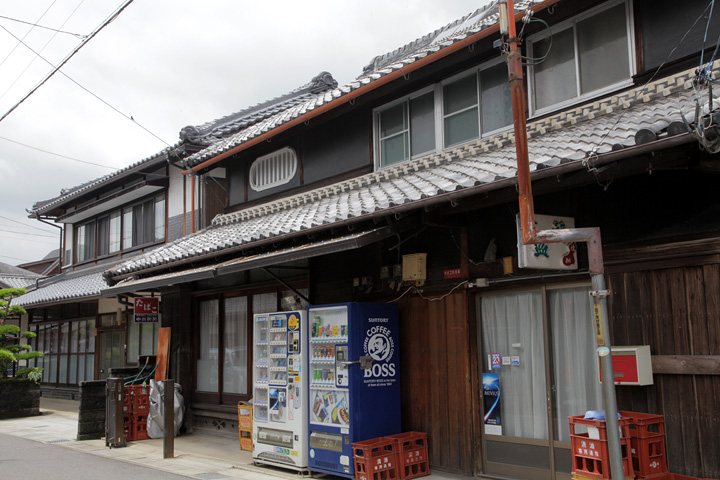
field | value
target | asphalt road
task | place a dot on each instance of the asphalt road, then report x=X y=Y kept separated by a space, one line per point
x=25 y=459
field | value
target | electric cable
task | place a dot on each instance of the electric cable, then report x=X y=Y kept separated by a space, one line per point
x=72 y=54
x=642 y=89
x=430 y=299
x=77 y=35
x=57 y=154
x=19 y=76
x=56 y=69
x=26 y=224
x=26 y=34
x=16 y=258
x=27 y=233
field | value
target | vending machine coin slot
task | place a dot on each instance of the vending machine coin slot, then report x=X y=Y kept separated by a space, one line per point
x=294 y=342
x=342 y=379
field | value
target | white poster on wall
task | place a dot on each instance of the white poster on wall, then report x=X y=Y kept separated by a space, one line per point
x=548 y=256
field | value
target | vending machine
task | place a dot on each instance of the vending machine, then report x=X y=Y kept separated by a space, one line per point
x=354 y=381
x=280 y=390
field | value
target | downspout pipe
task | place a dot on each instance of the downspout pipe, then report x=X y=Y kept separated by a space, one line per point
x=591 y=236
x=60 y=251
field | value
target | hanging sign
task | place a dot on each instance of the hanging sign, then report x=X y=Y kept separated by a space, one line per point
x=491 y=403
x=548 y=256
x=147 y=310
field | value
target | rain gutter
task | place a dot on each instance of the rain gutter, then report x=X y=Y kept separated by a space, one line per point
x=402 y=72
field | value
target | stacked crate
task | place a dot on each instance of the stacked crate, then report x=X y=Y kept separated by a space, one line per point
x=647 y=444
x=590 y=455
x=135 y=412
x=412 y=454
x=375 y=459
x=245 y=426
x=396 y=457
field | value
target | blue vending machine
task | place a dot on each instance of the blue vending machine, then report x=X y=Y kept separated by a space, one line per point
x=354 y=378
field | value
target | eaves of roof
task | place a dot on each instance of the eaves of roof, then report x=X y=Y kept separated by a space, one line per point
x=577 y=138
x=65 y=287
x=66 y=195
x=381 y=71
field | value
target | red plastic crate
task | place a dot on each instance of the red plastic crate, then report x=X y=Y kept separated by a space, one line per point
x=647 y=444
x=139 y=427
x=375 y=459
x=128 y=427
x=127 y=401
x=141 y=403
x=591 y=456
x=412 y=454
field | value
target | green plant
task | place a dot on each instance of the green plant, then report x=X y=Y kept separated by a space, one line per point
x=11 y=351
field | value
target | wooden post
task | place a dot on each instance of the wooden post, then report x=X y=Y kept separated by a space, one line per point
x=169 y=419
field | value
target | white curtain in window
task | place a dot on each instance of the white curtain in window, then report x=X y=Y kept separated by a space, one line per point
x=235 y=372
x=512 y=326
x=207 y=363
x=574 y=360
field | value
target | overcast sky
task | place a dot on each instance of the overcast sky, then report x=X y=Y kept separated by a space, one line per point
x=166 y=64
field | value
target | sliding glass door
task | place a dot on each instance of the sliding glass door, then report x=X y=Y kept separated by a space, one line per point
x=538 y=366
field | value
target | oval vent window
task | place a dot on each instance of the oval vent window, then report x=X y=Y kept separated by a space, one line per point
x=272 y=170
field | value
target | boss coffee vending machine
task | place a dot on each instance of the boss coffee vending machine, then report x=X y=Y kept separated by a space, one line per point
x=354 y=375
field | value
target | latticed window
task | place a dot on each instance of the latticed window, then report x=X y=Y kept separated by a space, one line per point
x=273 y=170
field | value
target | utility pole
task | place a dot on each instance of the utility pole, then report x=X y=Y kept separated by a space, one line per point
x=591 y=236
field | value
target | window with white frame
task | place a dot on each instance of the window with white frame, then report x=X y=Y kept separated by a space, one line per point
x=587 y=56
x=449 y=113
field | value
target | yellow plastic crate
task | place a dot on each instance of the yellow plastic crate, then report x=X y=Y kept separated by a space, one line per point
x=245 y=416
x=246 y=441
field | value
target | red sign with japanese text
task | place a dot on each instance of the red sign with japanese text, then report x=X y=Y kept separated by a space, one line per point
x=453 y=273
x=147 y=310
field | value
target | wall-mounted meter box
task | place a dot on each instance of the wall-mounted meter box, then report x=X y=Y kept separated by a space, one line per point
x=631 y=365
x=414 y=267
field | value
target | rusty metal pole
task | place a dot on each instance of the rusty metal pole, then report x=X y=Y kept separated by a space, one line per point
x=169 y=418
x=599 y=292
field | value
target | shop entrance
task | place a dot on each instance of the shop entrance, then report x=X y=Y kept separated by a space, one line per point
x=538 y=366
x=111 y=350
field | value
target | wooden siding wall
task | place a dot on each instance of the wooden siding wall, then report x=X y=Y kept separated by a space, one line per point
x=436 y=378
x=677 y=312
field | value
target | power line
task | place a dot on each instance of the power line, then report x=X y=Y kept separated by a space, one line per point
x=42 y=49
x=56 y=69
x=27 y=233
x=26 y=224
x=67 y=59
x=15 y=258
x=57 y=154
x=46 y=28
x=24 y=36
x=28 y=240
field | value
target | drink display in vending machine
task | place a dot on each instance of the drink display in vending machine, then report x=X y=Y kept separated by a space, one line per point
x=354 y=381
x=280 y=390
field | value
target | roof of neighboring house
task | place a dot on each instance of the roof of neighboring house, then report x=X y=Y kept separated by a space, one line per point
x=64 y=287
x=201 y=136
x=576 y=136
x=66 y=194
x=379 y=68
x=15 y=277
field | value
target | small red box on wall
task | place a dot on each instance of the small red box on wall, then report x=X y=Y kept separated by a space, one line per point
x=631 y=365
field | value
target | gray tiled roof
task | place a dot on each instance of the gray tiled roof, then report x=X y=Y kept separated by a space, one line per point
x=211 y=132
x=378 y=68
x=570 y=136
x=204 y=135
x=64 y=287
x=69 y=193
x=17 y=281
